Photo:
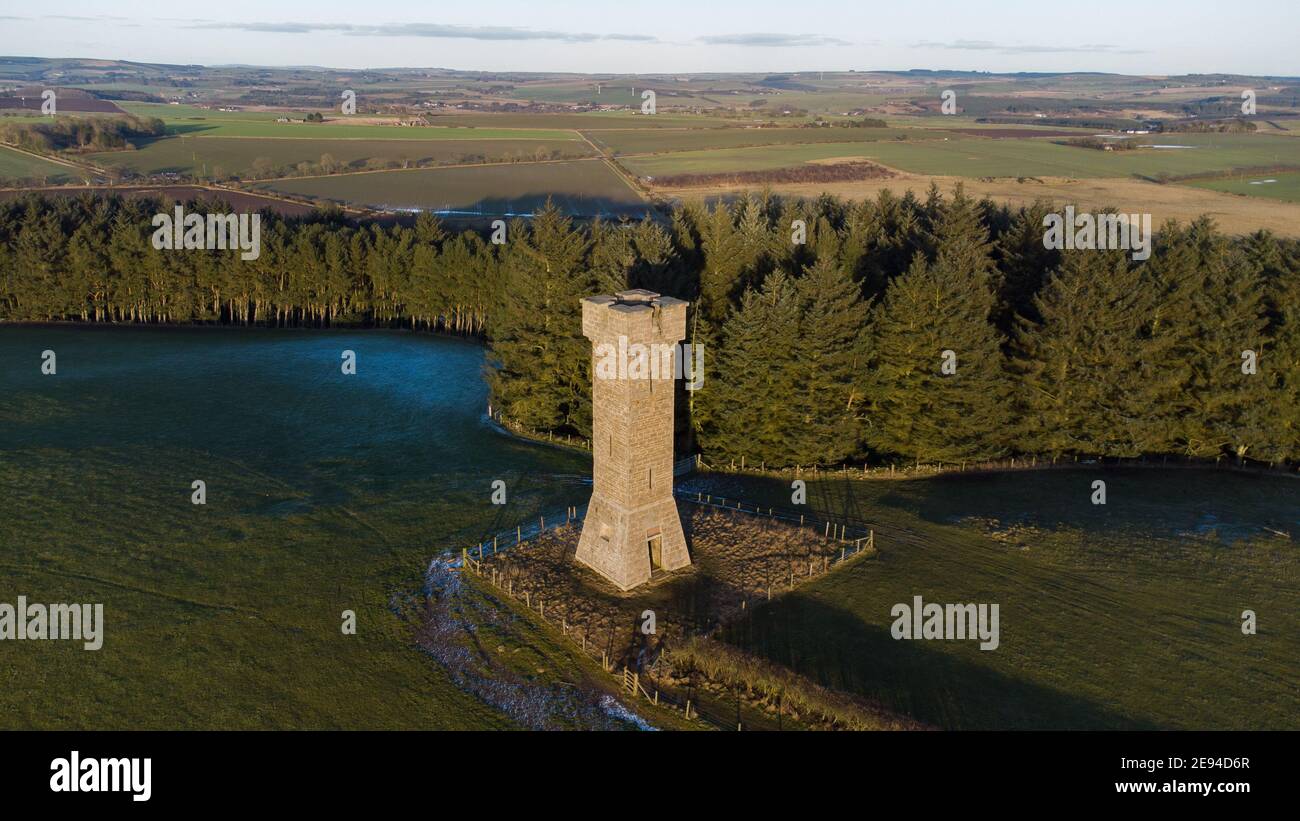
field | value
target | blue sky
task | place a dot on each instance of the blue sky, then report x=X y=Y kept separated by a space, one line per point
x=1134 y=37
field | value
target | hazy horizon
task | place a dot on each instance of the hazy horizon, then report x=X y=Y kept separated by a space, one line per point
x=1160 y=38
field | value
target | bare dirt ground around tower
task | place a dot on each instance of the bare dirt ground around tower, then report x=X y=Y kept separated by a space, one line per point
x=737 y=561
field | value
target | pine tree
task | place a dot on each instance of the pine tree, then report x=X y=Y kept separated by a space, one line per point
x=830 y=356
x=723 y=254
x=1024 y=263
x=1211 y=311
x=1281 y=367
x=541 y=360
x=612 y=257
x=1082 y=364
x=748 y=411
x=934 y=315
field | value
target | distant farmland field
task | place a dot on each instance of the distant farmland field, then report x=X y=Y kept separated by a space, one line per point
x=194 y=155
x=593 y=120
x=977 y=157
x=647 y=142
x=1273 y=186
x=212 y=123
x=582 y=188
x=347 y=131
x=15 y=165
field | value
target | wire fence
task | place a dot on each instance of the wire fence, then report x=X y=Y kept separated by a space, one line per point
x=915 y=468
x=643 y=680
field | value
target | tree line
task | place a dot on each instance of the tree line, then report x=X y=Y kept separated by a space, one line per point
x=932 y=328
x=80 y=133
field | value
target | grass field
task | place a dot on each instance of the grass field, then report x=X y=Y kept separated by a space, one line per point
x=1122 y=616
x=586 y=188
x=589 y=120
x=228 y=615
x=332 y=493
x=197 y=155
x=978 y=157
x=262 y=124
x=657 y=141
x=1282 y=186
x=17 y=165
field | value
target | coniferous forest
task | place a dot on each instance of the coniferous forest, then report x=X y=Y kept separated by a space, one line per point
x=933 y=328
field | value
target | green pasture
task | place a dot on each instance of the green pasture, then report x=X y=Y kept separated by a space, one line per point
x=980 y=157
x=17 y=165
x=198 y=155
x=1282 y=186
x=1123 y=616
x=663 y=141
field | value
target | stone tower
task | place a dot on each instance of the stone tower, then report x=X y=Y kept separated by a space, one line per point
x=632 y=526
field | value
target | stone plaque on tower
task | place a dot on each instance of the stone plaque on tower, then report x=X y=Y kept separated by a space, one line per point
x=632 y=527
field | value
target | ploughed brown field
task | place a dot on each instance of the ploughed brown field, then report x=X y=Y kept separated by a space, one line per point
x=813 y=172
x=65 y=103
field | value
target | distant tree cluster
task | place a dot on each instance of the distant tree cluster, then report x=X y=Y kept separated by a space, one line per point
x=937 y=329
x=1235 y=125
x=90 y=259
x=1100 y=144
x=80 y=134
x=865 y=122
